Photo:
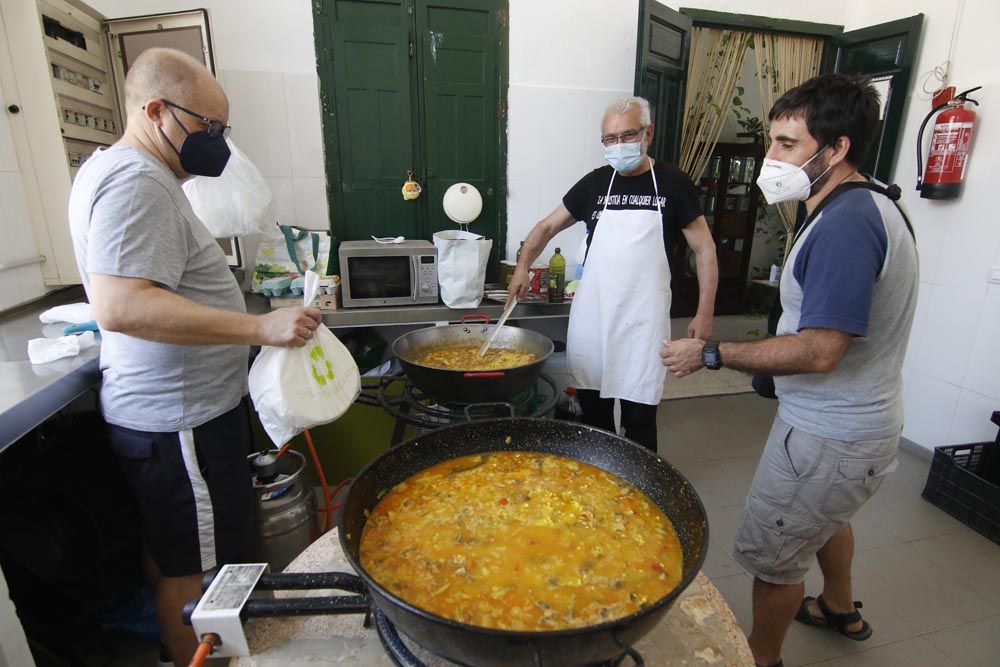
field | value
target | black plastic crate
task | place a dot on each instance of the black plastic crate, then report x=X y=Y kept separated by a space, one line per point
x=964 y=481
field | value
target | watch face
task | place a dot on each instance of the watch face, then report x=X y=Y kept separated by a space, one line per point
x=710 y=356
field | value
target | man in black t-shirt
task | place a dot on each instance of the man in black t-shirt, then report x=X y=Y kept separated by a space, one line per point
x=634 y=209
x=585 y=200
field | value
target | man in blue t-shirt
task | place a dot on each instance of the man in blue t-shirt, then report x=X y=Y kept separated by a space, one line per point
x=848 y=294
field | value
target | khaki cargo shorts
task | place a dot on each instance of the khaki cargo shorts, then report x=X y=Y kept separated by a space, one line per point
x=806 y=488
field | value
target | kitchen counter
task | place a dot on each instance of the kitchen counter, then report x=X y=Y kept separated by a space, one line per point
x=30 y=394
x=437 y=313
x=700 y=629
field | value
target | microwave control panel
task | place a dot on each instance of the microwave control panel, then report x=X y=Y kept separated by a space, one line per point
x=427 y=277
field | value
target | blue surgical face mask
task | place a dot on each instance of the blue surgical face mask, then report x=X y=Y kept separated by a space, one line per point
x=624 y=157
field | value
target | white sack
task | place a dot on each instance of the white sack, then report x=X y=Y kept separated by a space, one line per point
x=295 y=388
x=462 y=259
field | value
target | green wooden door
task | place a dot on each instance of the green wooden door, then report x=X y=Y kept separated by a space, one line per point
x=412 y=85
x=460 y=123
x=662 y=48
x=886 y=53
x=364 y=64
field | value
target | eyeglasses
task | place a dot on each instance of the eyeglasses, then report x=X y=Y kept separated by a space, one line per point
x=215 y=128
x=627 y=137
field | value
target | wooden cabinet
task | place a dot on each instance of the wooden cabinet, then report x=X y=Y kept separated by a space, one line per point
x=730 y=200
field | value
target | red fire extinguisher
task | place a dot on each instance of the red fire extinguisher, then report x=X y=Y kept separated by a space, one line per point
x=949 y=153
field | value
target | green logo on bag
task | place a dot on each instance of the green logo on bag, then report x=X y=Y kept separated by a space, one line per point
x=322 y=369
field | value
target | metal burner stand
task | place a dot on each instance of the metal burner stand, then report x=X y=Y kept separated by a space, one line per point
x=401 y=655
x=413 y=407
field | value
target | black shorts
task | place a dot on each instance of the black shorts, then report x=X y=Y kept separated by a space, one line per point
x=194 y=490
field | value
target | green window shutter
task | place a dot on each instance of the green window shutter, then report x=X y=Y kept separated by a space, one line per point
x=886 y=51
x=661 y=62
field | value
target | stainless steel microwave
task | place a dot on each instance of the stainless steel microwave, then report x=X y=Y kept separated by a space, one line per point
x=388 y=274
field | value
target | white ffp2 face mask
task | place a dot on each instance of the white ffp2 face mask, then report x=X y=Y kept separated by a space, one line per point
x=783 y=181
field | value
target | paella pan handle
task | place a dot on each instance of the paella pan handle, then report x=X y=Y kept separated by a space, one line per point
x=483 y=374
x=401 y=655
x=477 y=317
x=490 y=411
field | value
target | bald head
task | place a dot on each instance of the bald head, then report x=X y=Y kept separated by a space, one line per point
x=168 y=74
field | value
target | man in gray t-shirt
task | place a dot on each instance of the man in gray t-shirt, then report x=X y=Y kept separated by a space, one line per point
x=849 y=290
x=175 y=330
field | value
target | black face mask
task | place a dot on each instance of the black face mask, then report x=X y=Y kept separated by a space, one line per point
x=201 y=153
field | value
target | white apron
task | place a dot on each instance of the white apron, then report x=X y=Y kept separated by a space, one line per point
x=621 y=310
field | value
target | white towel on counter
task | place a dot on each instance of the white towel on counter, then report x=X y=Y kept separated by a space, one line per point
x=74 y=313
x=44 y=350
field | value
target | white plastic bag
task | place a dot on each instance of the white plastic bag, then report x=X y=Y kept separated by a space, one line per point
x=295 y=388
x=462 y=259
x=236 y=203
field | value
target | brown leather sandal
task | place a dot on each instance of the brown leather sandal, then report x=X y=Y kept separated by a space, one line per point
x=834 y=621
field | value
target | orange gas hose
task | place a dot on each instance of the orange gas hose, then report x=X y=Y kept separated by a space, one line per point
x=208 y=642
x=284 y=448
x=327 y=499
x=333 y=494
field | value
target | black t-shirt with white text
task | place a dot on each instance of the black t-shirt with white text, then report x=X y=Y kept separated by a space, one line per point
x=680 y=204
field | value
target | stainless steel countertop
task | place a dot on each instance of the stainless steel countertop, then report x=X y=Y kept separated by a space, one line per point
x=430 y=314
x=361 y=317
x=30 y=394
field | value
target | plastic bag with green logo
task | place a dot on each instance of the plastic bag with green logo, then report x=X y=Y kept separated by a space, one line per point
x=295 y=388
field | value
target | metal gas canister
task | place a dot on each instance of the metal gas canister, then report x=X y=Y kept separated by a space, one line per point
x=285 y=508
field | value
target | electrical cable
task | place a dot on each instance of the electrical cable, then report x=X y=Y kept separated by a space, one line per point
x=942 y=72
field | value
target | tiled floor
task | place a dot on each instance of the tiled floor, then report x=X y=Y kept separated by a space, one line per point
x=930 y=585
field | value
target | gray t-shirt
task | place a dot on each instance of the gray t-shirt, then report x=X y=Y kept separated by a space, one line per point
x=854 y=269
x=130 y=218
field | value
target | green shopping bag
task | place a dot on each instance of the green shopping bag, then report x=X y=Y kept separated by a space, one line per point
x=291 y=251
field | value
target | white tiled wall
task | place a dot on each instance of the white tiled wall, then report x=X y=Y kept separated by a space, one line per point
x=23 y=283
x=276 y=122
x=568 y=61
x=952 y=378
x=266 y=61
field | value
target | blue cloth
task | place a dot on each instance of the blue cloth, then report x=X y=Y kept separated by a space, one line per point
x=80 y=328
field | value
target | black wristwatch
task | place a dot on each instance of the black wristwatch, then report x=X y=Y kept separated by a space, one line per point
x=710 y=357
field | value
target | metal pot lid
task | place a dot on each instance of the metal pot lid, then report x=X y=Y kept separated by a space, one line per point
x=462 y=203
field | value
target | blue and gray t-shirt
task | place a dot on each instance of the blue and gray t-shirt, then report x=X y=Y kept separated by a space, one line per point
x=854 y=269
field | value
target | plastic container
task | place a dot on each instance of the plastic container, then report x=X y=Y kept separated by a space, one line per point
x=568 y=408
x=964 y=481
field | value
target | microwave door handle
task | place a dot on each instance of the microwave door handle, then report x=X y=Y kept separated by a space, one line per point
x=414 y=287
